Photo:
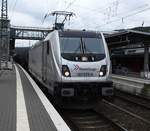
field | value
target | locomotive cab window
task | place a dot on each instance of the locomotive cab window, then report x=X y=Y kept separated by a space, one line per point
x=75 y=47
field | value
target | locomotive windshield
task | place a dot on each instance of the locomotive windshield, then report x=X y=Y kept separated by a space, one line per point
x=70 y=45
x=74 y=47
x=82 y=45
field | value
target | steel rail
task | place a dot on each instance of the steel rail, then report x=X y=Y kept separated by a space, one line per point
x=127 y=112
x=134 y=99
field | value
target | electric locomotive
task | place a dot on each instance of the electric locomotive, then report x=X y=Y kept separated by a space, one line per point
x=72 y=64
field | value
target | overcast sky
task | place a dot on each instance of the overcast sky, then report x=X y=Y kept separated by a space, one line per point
x=103 y=15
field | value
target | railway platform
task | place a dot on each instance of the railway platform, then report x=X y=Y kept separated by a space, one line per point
x=23 y=106
x=132 y=85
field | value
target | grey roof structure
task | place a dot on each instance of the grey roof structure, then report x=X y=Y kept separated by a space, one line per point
x=126 y=37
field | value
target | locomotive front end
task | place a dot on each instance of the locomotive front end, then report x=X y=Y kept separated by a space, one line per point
x=85 y=65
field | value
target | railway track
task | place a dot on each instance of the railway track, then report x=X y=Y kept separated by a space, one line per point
x=125 y=115
x=90 y=120
x=135 y=99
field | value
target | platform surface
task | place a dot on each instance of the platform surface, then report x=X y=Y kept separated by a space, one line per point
x=7 y=100
x=23 y=106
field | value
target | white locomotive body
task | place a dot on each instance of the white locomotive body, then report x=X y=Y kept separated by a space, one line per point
x=72 y=63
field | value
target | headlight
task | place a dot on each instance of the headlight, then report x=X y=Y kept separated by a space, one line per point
x=65 y=71
x=101 y=73
x=103 y=70
x=84 y=58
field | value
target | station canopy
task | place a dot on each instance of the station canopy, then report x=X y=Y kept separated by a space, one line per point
x=126 y=38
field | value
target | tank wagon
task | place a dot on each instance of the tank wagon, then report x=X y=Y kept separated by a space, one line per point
x=72 y=64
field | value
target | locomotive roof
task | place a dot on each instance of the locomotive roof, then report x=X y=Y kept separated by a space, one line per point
x=79 y=33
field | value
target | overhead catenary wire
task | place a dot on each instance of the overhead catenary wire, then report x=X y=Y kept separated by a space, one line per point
x=135 y=9
x=98 y=11
x=70 y=4
x=47 y=14
x=10 y=5
x=102 y=12
x=89 y=9
x=13 y=8
x=124 y=17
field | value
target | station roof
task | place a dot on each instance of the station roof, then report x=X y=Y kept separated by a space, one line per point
x=126 y=37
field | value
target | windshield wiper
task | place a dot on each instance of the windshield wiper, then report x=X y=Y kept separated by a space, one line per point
x=82 y=46
x=78 y=49
x=85 y=50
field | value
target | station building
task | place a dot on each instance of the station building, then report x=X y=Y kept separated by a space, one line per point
x=129 y=51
